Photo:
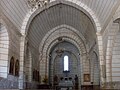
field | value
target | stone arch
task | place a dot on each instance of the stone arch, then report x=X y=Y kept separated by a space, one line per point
x=112 y=48
x=4 y=49
x=117 y=14
x=112 y=64
x=28 y=63
x=77 y=4
x=52 y=39
x=95 y=75
x=54 y=35
x=68 y=53
x=57 y=28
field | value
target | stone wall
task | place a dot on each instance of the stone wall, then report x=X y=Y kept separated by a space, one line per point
x=116 y=59
x=58 y=62
x=9 y=47
x=114 y=85
x=10 y=83
x=4 y=47
x=111 y=45
x=95 y=68
x=30 y=85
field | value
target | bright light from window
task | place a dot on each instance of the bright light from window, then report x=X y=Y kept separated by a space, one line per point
x=66 y=63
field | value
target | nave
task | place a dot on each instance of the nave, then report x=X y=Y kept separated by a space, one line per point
x=60 y=44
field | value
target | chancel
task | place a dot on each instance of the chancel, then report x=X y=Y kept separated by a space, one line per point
x=60 y=44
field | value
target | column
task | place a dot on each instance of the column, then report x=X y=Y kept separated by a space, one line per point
x=21 y=72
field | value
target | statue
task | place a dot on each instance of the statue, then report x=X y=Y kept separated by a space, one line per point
x=55 y=80
x=76 y=82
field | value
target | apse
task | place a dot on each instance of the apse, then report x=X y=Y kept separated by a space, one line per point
x=65 y=63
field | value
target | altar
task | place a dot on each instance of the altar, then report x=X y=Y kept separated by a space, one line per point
x=66 y=84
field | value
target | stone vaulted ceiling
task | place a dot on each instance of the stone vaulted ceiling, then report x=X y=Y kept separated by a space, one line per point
x=16 y=10
x=59 y=14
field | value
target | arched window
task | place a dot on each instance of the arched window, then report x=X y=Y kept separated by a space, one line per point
x=17 y=68
x=66 y=63
x=11 y=69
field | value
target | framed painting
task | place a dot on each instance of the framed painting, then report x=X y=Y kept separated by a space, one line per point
x=86 y=77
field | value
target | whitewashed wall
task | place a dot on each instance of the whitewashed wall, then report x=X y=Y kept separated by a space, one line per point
x=8 y=47
x=4 y=47
x=116 y=58
x=116 y=52
x=111 y=46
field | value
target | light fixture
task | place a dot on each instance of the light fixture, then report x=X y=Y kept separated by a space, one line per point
x=35 y=4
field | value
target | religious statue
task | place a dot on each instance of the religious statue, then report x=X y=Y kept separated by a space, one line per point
x=76 y=82
x=45 y=79
x=55 y=80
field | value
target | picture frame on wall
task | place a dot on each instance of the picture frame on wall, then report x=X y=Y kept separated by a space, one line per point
x=86 y=77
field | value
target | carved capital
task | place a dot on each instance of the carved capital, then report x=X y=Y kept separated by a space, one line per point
x=35 y=4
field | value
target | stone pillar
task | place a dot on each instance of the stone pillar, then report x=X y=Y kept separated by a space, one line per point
x=28 y=64
x=21 y=73
x=42 y=69
x=86 y=69
x=30 y=67
x=102 y=61
x=109 y=52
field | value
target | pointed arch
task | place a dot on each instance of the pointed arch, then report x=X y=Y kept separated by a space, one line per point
x=96 y=69
x=4 y=47
x=52 y=39
x=75 y=3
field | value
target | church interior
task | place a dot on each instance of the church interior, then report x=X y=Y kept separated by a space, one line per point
x=60 y=44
